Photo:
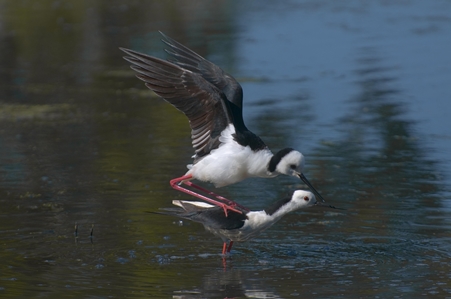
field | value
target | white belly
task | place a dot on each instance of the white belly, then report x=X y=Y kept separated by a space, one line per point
x=231 y=163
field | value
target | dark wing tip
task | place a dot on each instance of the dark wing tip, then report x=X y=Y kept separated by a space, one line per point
x=132 y=53
x=167 y=40
x=187 y=91
x=164 y=35
x=125 y=50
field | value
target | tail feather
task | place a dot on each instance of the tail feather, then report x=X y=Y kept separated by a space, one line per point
x=175 y=212
x=192 y=206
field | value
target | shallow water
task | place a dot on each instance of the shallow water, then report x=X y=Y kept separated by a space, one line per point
x=361 y=88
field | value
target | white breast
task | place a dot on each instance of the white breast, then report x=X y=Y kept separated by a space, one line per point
x=231 y=162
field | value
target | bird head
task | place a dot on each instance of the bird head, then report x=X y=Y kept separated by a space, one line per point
x=303 y=199
x=291 y=162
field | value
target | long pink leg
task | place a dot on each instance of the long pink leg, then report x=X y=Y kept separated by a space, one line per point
x=224 y=248
x=176 y=186
x=230 y=246
x=219 y=197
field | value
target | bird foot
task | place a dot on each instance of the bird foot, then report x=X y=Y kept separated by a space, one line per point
x=229 y=208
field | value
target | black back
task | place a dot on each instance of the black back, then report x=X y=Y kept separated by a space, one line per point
x=213 y=217
x=216 y=218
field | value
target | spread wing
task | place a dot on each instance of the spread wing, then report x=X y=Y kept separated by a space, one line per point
x=203 y=103
x=190 y=60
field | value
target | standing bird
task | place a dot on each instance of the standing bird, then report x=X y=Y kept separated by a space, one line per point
x=226 y=152
x=239 y=227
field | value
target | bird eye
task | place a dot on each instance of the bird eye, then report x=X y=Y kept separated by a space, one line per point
x=306 y=198
x=292 y=166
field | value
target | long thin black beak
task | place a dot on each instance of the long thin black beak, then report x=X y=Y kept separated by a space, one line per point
x=304 y=179
x=322 y=205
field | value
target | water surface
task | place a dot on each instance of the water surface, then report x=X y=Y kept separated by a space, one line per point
x=361 y=88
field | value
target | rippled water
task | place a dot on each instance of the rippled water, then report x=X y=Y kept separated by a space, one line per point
x=361 y=88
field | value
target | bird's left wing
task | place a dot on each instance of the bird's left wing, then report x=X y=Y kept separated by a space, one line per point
x=204 y=104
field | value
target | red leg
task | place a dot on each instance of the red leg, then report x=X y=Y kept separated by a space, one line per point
x=219 y=197
x=175 y=184
x=224 y=248
x=230 y=246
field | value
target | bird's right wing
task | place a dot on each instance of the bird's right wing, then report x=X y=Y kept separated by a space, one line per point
x=211 y=216
x=216 y=218
x=190 y=60
x=203 y=103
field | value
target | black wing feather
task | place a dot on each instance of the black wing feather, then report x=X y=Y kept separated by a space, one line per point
x=212 y=217
x=204 y=104
x=190 y=60
x=208 y=96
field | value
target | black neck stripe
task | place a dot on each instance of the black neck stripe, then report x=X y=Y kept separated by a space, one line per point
x=277 y=205
x=277 y=157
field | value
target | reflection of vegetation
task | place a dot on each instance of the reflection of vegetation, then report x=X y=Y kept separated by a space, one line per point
x=20 y=112
x=378 y=154
x=378 y=166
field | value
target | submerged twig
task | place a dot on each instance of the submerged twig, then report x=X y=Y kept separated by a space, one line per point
x=76 y=232
x=92 y=232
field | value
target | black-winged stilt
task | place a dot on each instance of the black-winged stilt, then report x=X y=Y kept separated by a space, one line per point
x=226 y=152
x=239 y=227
